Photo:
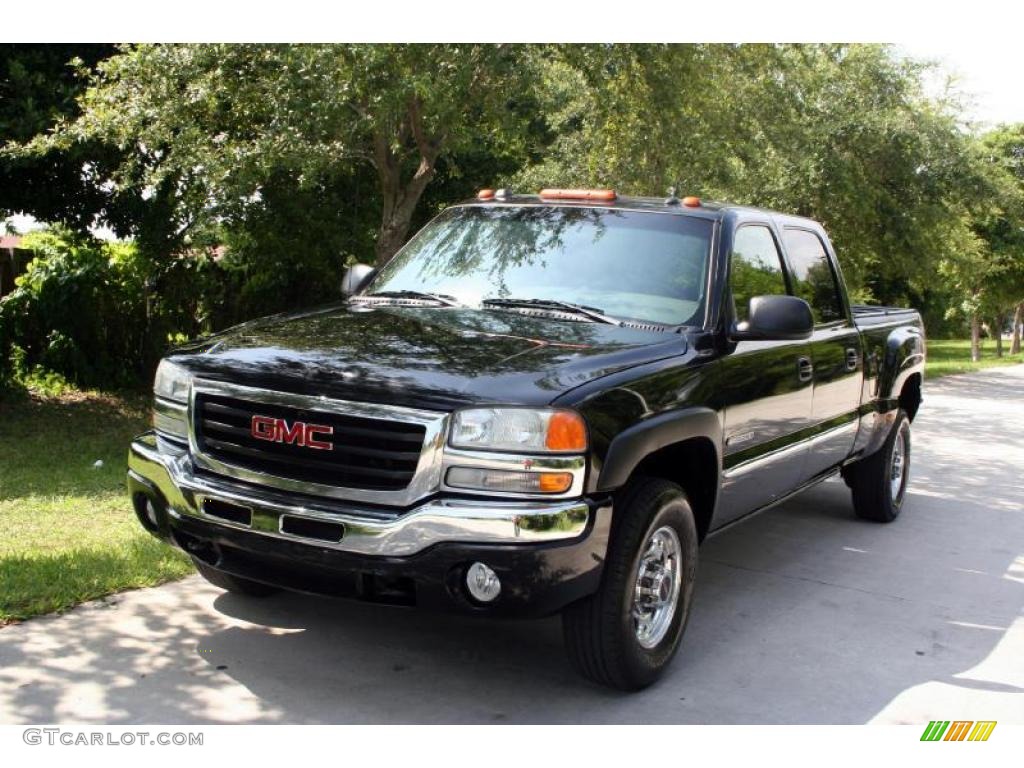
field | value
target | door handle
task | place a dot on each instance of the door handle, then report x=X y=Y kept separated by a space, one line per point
x=852 y=359
x=804 y=368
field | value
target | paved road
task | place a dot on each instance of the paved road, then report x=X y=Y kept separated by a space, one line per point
x=804 y=614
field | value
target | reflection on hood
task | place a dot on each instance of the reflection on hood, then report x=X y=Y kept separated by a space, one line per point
x=431 y=357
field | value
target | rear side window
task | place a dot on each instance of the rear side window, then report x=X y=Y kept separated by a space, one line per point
x=756 y=268
x=813 y=278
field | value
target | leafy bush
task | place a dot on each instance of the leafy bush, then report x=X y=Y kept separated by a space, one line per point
x=97 y=314
x=79 y=310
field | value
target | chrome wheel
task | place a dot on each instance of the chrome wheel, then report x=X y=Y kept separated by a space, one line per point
x=898 y=468
x=656 y=592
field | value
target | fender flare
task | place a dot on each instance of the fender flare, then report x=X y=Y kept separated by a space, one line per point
x=635 y=443
x=904 y=357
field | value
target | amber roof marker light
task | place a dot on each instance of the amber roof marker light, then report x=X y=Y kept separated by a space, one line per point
x=485 y=194
x=602 y=195
x=691 y=201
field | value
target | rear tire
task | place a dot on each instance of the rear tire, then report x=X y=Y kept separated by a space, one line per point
x=232 y=583
x=625 y=635
x=879 y=482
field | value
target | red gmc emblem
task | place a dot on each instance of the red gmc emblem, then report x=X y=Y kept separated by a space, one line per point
x=298 y=432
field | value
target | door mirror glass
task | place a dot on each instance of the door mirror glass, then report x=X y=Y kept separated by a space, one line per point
x=356 y=278
x=775 y=318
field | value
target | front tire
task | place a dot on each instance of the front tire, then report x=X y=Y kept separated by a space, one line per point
x=879 y=482
x=625 y=635
x=232 y=583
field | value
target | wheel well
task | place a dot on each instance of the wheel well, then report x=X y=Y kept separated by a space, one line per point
x=910 y=395
x=693 y=464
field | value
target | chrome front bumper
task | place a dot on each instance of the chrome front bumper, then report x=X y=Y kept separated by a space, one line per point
x=166 y=469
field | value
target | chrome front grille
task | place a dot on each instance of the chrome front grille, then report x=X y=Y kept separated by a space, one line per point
x=363 y=453
x=376 y=453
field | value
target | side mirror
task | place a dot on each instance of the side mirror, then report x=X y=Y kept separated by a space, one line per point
x=775 y=318
x=356 y=278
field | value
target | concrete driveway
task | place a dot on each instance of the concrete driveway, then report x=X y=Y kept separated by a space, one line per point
x=804 y=614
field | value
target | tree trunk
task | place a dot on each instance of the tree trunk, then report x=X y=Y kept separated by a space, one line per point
x=975 y=338
x=1018 y=318
x=399 y=206
x=400 y=198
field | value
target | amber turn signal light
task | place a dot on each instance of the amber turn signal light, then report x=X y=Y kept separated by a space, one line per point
x=605 y=195
x=566 y=432
x=554 y=482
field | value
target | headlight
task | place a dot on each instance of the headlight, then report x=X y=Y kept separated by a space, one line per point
x=519 y=430
x=171 y=382
x=170 y=402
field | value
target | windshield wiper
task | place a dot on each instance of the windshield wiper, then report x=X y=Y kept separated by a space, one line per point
x=593 y=313
x=440 y=298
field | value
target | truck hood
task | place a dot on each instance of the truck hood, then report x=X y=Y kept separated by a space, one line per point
x=423 y=357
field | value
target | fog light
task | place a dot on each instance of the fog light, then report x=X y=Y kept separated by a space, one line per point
x=482 y=583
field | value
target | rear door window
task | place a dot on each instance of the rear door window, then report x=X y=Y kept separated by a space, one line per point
x=814 y=281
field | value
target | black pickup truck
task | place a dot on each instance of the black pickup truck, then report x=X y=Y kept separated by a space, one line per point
x=541 y=404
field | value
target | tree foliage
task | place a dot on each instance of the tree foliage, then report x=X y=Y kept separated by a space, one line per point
x=101 y=314
x=37 y=88
x=212 y=125
x=842 y=134
x=290 y=161
x=1000 y=293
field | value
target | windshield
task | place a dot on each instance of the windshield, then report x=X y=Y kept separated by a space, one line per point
x=643 y=266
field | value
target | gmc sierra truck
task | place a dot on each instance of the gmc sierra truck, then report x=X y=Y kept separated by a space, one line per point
x=542 y=403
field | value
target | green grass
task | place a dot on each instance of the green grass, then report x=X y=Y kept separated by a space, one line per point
x=67 y=530
x=948 y=356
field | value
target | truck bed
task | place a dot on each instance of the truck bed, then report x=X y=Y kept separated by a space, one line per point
x=866 y=315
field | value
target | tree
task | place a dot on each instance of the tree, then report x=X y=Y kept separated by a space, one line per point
x=1003 y=229
x=210 y=125
x=38 y=86
x=301 y=159
x=840 y=133
x=967 y=270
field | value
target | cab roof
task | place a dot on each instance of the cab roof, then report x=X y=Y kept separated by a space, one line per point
x=709 y=209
